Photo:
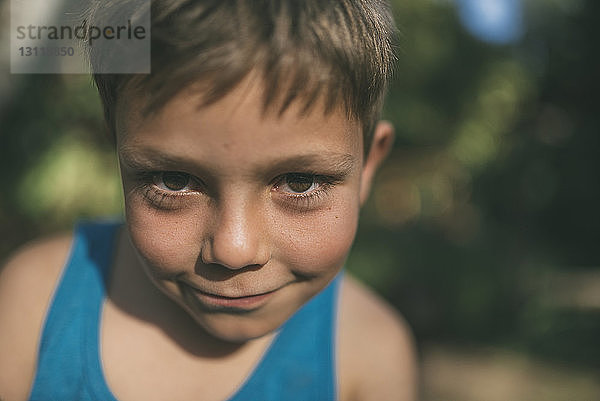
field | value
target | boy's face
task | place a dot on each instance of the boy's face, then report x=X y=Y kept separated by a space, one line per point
x=240 y=216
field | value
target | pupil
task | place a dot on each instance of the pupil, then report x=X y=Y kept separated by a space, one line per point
x=300 y=183
x=176 y=181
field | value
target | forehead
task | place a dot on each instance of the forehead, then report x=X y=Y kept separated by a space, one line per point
x=236 y=129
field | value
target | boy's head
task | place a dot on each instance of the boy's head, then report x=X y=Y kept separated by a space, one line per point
x=243 y=163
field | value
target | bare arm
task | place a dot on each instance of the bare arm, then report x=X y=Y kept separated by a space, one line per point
x=377 y=360
x=27 y=282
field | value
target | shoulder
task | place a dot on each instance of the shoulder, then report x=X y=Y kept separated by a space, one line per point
x=27 y=281
x=376 y=352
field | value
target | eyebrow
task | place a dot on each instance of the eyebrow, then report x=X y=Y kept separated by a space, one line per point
x=330 y=162
x=150 y=159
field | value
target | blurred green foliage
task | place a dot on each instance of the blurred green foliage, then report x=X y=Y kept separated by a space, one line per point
x=493 y=182
x=56 y=164
x=492 y=185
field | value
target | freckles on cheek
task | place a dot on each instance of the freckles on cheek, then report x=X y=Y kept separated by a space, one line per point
x=164 y=240
x=324 y=244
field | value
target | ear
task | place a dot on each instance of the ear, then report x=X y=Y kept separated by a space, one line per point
x=381 y=144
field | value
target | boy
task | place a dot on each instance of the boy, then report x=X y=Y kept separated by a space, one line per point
x=245 y=157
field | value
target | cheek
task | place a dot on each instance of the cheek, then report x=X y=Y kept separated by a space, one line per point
x=163 y=239
x=322 y=244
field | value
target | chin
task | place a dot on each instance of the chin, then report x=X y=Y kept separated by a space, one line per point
x=232 y=330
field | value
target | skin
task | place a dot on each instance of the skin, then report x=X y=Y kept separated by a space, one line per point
x=240 y=229
x=217 y=256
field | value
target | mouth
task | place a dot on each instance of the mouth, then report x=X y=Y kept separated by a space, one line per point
x=222 y=303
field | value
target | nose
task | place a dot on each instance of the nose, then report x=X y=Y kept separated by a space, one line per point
x=237 y=238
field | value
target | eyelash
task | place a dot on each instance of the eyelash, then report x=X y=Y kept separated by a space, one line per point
x=165 y=199
x=306 y=201
x=158 y=197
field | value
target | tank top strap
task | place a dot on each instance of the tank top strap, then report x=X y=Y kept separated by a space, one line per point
x=69 y=365
x=300 y=365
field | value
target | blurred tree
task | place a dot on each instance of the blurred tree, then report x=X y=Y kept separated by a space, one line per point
x=493 y=178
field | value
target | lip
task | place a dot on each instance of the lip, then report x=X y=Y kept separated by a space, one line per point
x=241 y=304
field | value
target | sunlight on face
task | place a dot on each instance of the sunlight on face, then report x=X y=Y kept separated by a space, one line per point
x=240 y=216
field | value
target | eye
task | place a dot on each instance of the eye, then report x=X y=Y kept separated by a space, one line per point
x=172 y=181
x=297 y=183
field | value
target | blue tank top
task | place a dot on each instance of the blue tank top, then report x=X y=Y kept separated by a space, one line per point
x=299 y=365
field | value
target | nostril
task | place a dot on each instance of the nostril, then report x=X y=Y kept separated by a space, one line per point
x=232 y=256
x=217 y=272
